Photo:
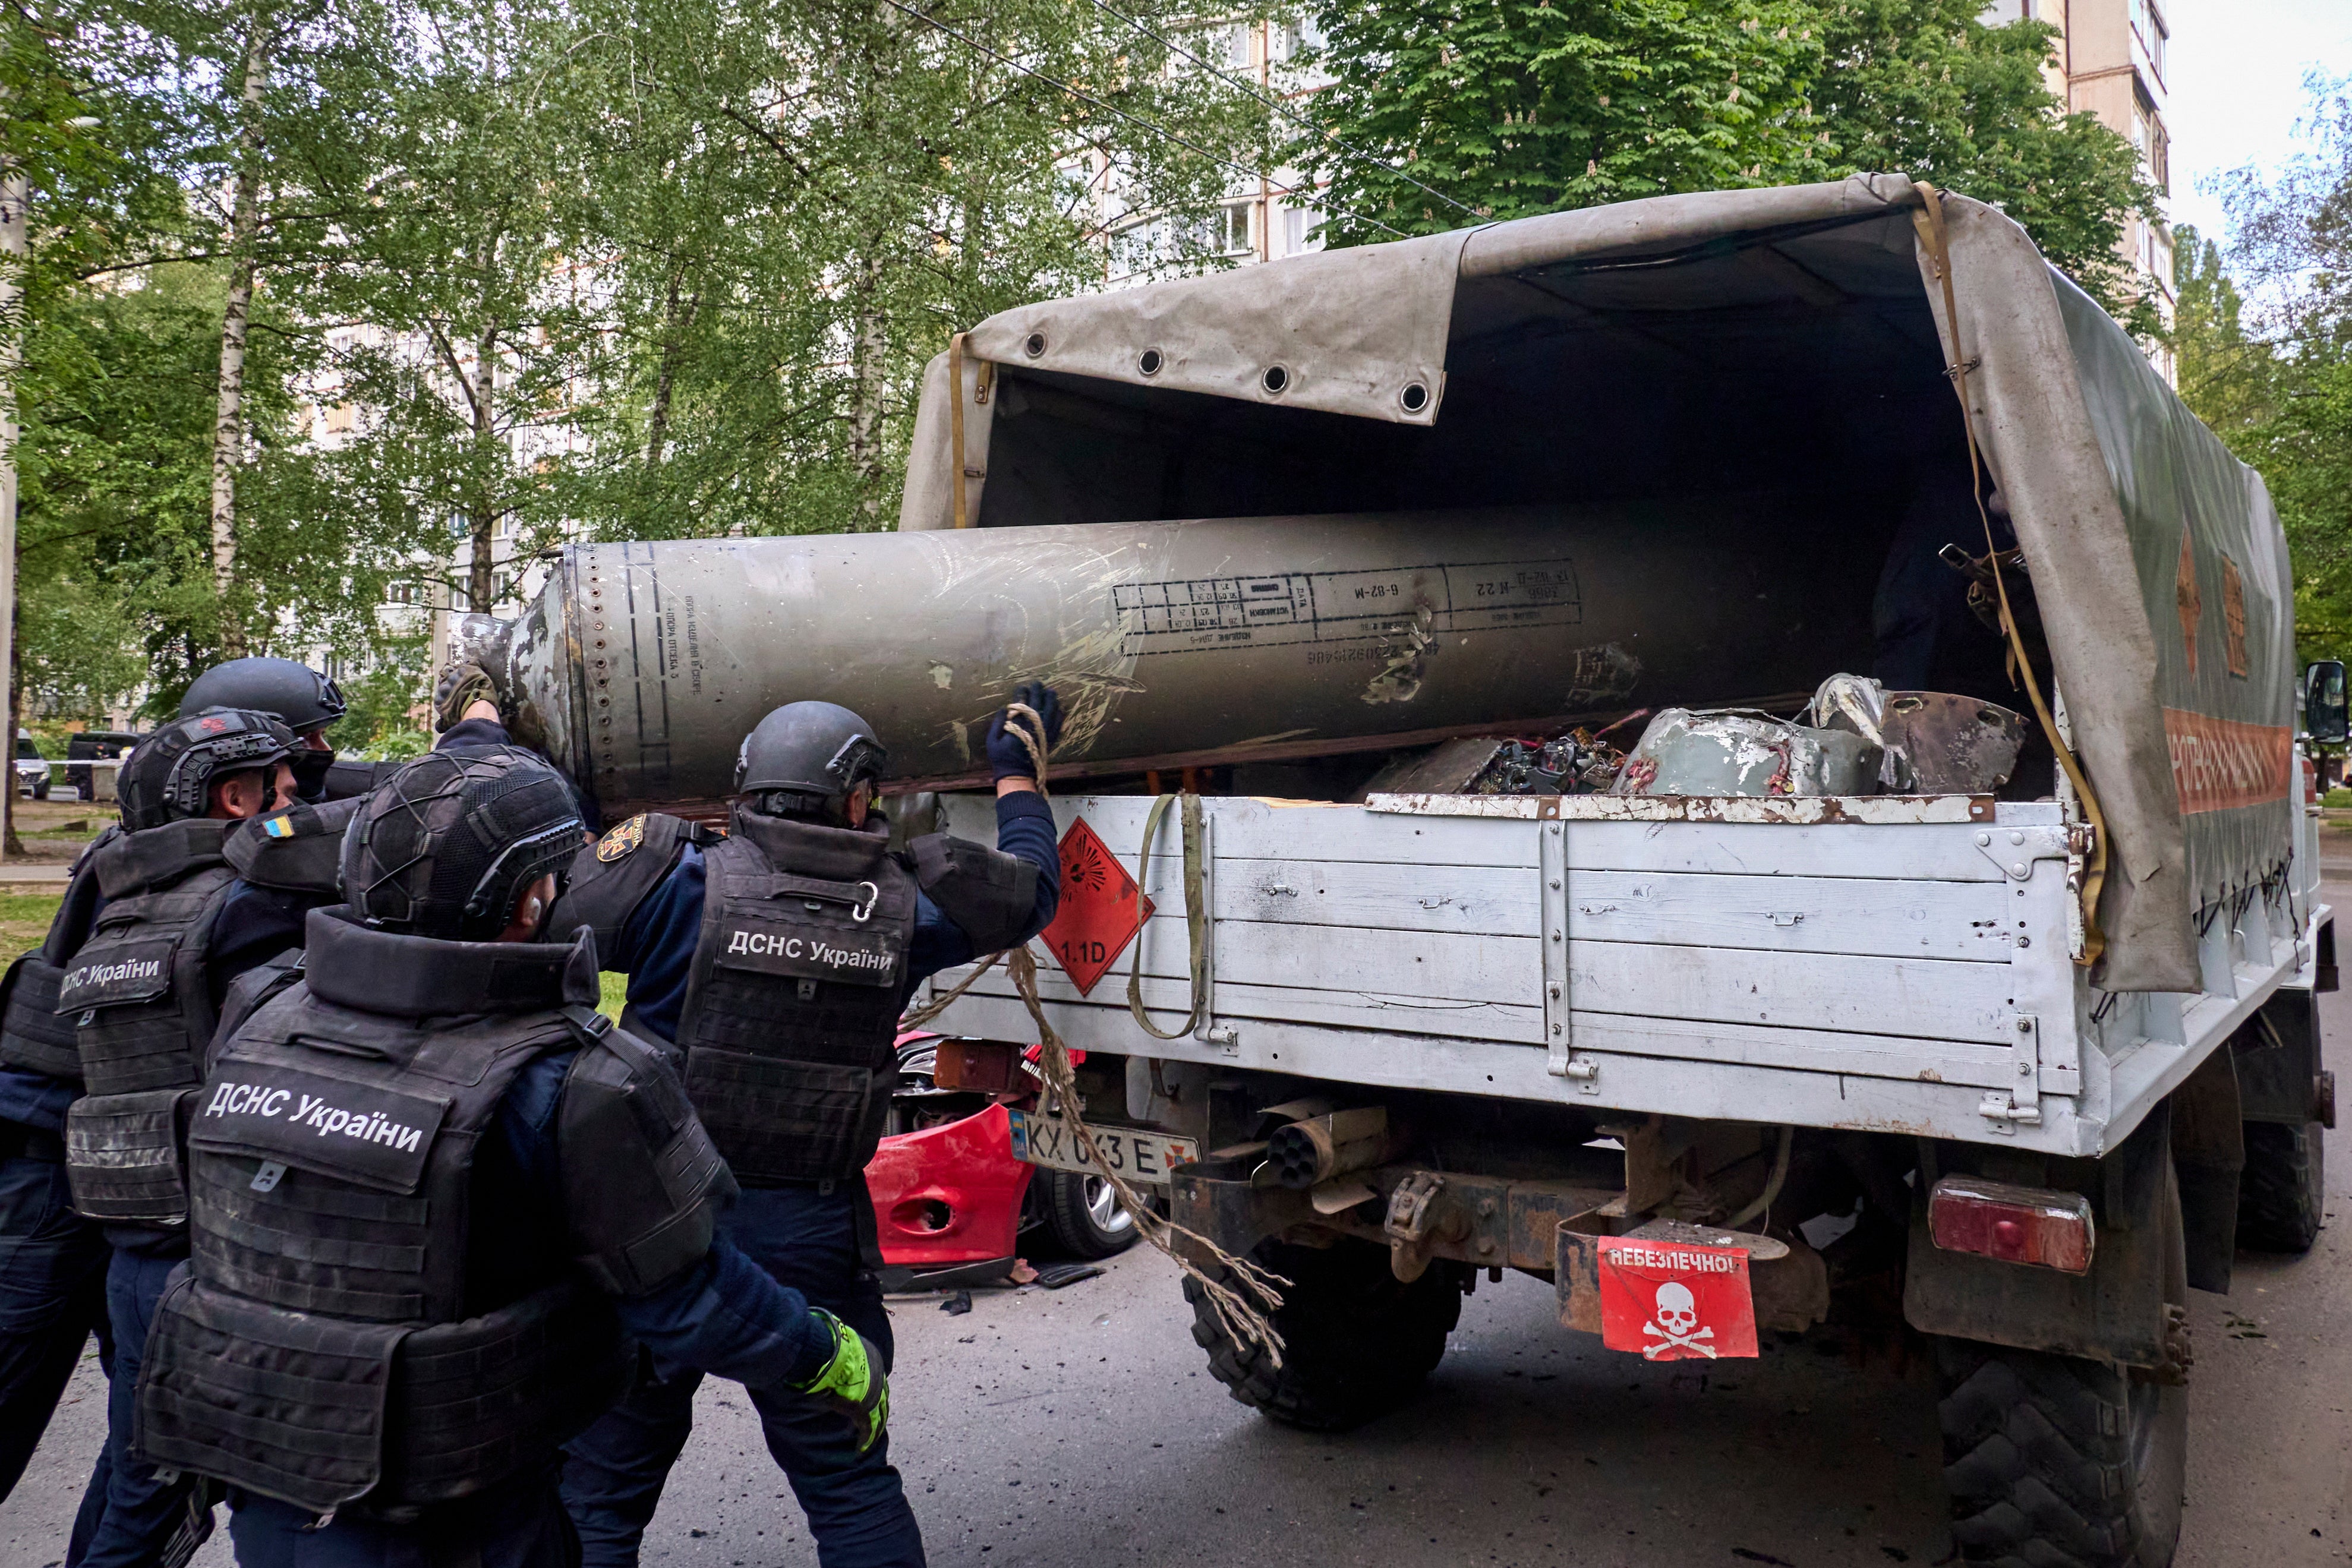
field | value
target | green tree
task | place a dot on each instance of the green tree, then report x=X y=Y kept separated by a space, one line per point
x=1924 y=87
x=451 y=312
x=2279 y=387
x=801 y=199
x=1510 y=108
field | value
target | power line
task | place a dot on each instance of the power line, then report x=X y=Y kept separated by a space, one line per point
x=1275 y=104
x=1153 y=126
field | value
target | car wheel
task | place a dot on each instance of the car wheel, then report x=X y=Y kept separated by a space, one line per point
x=41 y=790
x=1084 y=1216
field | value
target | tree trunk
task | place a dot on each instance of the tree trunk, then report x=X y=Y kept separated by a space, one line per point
x=865 y=392
x=483 y=515
x=229 y=416
x=676 y=320
x=14 y=194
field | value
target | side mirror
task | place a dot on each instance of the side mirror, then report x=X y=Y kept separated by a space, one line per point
x=2325 y=716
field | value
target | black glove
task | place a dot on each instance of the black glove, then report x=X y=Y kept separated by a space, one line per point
x=1007 y=758
x=461 y=686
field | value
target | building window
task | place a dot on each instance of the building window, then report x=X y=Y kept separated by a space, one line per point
x=1233 y=46
x=1298 y=225
x=2147 y=24
x=1234 y=229
x=400 y=594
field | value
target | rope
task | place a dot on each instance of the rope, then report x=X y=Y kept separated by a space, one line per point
x=1032 y=736
x=938 y=1005
x=1195 y=919
x=1929 y=221
x=1243 y=1321
x=955 y=432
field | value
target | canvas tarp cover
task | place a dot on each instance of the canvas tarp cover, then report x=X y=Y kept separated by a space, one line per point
x=2176 y=670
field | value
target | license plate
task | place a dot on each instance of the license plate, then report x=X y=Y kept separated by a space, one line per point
x=1138 y=1156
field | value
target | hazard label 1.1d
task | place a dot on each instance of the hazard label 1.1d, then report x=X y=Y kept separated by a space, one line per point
x=1674 y=1301
x=1100 y=911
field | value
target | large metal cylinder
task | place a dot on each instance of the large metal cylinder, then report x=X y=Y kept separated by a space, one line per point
x=642 y=665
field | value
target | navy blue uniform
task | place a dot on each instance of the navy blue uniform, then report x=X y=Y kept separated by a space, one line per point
x=807 y=1236
x=141 y=1512
x=723 y=1314
x=52 y=1283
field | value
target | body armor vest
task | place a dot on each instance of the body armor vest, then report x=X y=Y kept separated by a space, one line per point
x=794 y=1000
x=140 y=1001
x=32 y=1035
x=330 y=1340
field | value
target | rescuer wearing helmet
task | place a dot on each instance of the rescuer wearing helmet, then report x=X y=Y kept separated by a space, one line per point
x=175 y=924
x=307 y=703
x=430 y=1178
x=215 y=768
x=777 y=959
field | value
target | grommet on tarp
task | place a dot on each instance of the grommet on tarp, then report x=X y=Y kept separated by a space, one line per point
x=1413 y=398
x=1277 y=380
x=1150 y=361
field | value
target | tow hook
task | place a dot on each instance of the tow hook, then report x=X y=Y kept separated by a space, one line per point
x=1418 y=1223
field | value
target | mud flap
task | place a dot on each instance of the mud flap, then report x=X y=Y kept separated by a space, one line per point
x=2116 y=1312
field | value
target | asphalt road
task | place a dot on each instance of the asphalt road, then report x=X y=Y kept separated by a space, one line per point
x=1080 y=1427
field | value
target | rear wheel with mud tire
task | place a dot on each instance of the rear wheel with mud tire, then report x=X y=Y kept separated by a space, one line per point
x=1357 y=1341
x=2052 y=1460
x=2282 y=1191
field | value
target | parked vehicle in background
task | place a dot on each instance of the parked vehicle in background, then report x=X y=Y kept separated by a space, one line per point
x=90 y=745
x=31 y=768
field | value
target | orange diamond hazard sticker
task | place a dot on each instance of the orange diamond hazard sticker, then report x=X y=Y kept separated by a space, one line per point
x=1100 y=911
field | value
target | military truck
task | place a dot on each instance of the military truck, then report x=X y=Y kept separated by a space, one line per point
x=2012 y=1064
x=1718 y=1067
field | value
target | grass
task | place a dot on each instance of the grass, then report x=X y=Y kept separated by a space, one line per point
x=2336 y=799
x=24 y=920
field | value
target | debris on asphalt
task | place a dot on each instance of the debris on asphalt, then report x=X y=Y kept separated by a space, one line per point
x=955 y=1306
x=1062 y=1274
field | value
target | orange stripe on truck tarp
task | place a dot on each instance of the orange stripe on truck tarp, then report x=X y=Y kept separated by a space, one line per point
x=2219 y=763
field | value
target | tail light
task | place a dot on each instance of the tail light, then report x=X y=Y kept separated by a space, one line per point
x=2025 y=1225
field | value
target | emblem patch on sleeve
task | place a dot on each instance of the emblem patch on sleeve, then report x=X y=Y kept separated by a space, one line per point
x=622 y=841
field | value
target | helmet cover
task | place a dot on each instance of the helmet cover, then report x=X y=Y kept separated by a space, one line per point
x=445 y=846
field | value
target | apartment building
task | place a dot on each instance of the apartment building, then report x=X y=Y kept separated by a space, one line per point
x=2110 y=60
x=1266 y=218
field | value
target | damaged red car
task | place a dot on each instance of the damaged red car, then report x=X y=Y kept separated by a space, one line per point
x=954 y=1203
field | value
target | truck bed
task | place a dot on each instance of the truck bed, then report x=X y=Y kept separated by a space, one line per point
x=1886 y=964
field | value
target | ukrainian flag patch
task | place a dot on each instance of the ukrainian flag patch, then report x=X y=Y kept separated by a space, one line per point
x=279 y=827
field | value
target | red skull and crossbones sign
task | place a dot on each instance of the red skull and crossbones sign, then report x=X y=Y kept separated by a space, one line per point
x=1675 y=1300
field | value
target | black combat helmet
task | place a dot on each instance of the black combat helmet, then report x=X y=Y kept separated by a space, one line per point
x=812 y=755
x=168 y=776
x=296 y=693
x=445 y=846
